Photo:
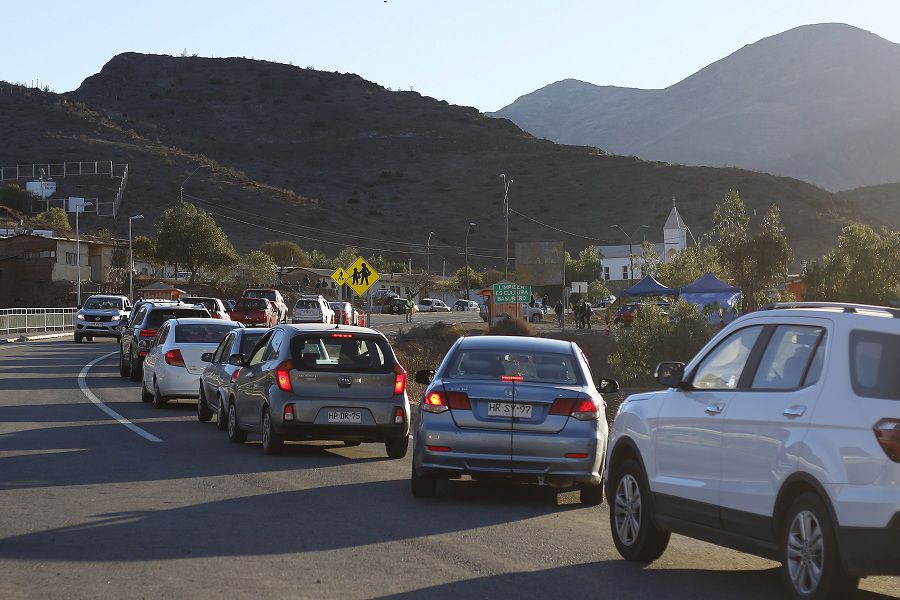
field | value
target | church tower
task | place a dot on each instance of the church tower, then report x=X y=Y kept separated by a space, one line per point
x=674 y=234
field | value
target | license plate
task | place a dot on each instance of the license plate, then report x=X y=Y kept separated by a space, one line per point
x=506 y=409
x=344 y=416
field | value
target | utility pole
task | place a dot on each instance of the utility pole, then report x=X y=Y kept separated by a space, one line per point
x=506 y=183
x=428 y=253
x=630 y=246
x=468 y=230
x=131 y=258
x=181 y=188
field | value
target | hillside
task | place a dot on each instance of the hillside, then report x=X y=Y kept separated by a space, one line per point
x=820 y=103
x=347 y=161
x=878 y=204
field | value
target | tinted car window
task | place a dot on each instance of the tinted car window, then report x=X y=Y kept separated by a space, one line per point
x=538 y=367
x=209 y=303
x=251 y=304
x=201 y=334
x=160 y=316
x=308 y=304
x=103 y=304
x=222 y=349
x=335 y=352
x=874 y=360
x=260 y=294
x=786 y=358
x=721 y=369
x=248 y=342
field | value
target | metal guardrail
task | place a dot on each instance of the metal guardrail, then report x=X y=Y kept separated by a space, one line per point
x=29 y=320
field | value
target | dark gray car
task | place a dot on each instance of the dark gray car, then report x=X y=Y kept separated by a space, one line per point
x=217 y=379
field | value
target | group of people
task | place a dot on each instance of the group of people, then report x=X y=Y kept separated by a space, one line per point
x=582 y=311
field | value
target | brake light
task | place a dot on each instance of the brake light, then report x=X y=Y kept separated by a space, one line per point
x=342 y=335
x=562 y=406
x=148 y=332
x=435 y=403
x=288 y=414
x=439 y=448
x=283 y=376
x=399 y=415
x=583 y=410
x=438 y=402
x=512 y=378
x=887 y=431
x=458 y=401
x=399 y=380
x=174 y=358
x=576 y=455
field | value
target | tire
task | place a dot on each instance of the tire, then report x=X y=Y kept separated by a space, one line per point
x=808 y=539
x=158 y=400
x=134 y=371
x=629 y=509
x=221 y=416
x=235 y=433
x=78 y=338
x=397 y=447
x=203 y=412
x=89 y=338
x=591 y=495
x=351 y=444
x=145 y=395
x=272 y=441
x=124 y=367
x=421 y=486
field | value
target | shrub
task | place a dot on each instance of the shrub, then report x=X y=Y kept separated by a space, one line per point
x=423 y=347
x=15 y=198
x=512 y=327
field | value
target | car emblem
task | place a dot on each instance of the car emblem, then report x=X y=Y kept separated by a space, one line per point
x=345 y=380
x=96 y=318
x=508 y=393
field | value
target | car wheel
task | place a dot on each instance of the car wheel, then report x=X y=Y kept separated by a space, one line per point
x=422 y=486
x=351 y=444
x=272 y=441
x=78 y=338
x=635 y=534
x=158 y=400
x=134 y=371
x=235 y=433
x=124 y=367
x=203 y=412
x=811 y=564
x=145 y=395
x=89 y=338
x=591 y=494
x=221 y=416
x=397 y=447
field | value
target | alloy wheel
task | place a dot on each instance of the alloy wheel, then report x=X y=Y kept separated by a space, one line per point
x=628 y=510
x=266 y=426
x=805 y=552
x=232 y=421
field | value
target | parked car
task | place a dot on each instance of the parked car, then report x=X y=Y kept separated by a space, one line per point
x=101 y=316
x=313 y=309
x=141 y=330
x=315 y=382
x=216 y=308
x=518 y=408
x=217 y=379
x=781 y=437
x=433 y=305
x=344 y=313
x=533 y=314
x=465 y=305
x=254 y=312
x=397 y=306
x=604 y=302
x=272 y=295
x=173 y=364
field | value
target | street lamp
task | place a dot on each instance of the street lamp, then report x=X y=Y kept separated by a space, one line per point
x=181 y=189
x=131 y=258
x=468 y=230
x=79 y=208
x=428 y=253
x=630 y=246
x=506 y=183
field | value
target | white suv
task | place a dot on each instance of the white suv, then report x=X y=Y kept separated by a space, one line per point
x=312 y=309
x=780 y=438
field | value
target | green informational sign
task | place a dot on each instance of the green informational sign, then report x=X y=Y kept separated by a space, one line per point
x=508 y=293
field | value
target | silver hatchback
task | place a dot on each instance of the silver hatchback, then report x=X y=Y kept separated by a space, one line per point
x=518 y=408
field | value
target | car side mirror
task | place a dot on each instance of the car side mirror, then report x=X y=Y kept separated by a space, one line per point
x=670 y=374
x=236 y=360
x=424 y=376
x=79 y=306
x=608 y=386
x=206 y=357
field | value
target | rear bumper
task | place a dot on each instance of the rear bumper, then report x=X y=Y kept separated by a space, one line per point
x=871 y=550
x=297 y=431
x=179 y=385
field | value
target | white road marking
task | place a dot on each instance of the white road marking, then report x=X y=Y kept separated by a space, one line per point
x=82 y=383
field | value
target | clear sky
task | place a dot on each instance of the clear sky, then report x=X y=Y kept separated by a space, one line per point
x=482 y=53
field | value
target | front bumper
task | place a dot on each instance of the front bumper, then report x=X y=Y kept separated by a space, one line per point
x=94 y=329
x=871 y=550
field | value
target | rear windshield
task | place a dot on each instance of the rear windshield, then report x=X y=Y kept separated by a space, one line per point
x=874 y=358
x=307 y=304
x=157 y=317
x=538 y=367
x=251 y=304
x=201 y=334
x=248 y=342
x=269 y=295
x=328 y=352
x=103 y=304
x=209 y=303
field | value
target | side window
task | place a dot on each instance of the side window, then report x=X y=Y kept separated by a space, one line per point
x=818 y=361
x=721 y=369
x=220 y=351
x=874 y=357
x=139 y=317
x=261 y=347
x=787 y=356
x=161 y=335
x=274 y=347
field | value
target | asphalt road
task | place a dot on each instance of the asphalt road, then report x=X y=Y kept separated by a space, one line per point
x=91 y=509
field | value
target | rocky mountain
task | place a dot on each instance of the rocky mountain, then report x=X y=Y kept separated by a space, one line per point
x=330 y=159
x=820 y=103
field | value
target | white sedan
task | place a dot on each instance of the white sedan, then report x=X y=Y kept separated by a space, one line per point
x=173 y=365
x=432 y=305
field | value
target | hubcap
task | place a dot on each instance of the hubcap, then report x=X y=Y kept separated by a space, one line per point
x=232 y=421
x=627 y=510
x=805 y=552
x=266 y=424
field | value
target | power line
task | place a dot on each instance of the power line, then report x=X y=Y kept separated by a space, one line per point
x=548 y=226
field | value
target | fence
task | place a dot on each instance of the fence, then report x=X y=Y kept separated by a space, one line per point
x=30 y=320
x=97 y=168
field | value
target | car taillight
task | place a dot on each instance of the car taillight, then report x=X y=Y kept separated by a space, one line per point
x=288 y=414
x=399 y=415
x=887 y=431
x=234 y=375
x=342 y=335
x=514 y=378
x=438 y=402
x=583 y=410
x=148 y=332
x=174 y=358
x=399 y=379
x=458 y=401
x=439 y=448
x=283 y=376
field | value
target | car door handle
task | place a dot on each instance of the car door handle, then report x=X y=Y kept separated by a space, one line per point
x=794 y=411
x=714 y=409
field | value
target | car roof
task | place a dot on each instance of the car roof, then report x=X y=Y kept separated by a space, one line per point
x=820 y=309
x=206 y=321
x=117 y=297
x=247 y=330
x=171 y=305
x=515 y=343
x=326 y=328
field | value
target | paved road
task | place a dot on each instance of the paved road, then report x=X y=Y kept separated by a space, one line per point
x=90 y=509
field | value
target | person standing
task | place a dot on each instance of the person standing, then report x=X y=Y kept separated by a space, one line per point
x=560 y=312
x=410 y=305
x=576 y=314
x=586 y=314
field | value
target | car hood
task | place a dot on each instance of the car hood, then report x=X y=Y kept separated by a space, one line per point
x=102 y=313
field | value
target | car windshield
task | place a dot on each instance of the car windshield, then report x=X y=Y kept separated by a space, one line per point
x=537 y=367
x=212 y=333
x=103 y=304
x=248 y=342
x=342 y=352
x=251 y=304
x=157 y=317
x=307 y=304
x=267 y=294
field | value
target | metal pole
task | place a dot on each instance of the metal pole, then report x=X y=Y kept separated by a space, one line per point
x=506 y=184
x=468 y=230
x=78 y=255
x=181 y=189
x=428 y=253
x=130 y=265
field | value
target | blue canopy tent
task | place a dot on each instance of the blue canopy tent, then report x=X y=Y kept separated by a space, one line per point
x=649 y=286
x=709 y=290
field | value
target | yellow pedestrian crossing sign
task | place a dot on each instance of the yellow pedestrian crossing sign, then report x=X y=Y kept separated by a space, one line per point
x=339 y=276
x=360 y=276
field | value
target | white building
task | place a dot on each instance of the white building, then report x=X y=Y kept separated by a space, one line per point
x=616 y=261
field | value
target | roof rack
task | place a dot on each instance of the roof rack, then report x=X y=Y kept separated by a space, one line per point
x=844 y=306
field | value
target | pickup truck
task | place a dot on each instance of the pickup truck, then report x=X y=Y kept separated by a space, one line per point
x=254 y=312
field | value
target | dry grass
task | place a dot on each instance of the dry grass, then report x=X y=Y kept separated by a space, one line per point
x=512 y=327
x=423 y=347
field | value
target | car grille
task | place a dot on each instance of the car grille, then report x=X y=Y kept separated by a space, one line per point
x=98 y=318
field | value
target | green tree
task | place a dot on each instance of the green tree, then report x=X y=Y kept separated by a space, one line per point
x=55 y=218
x=458 y=282
x=597 y=290
x=755 y=261
x=346 y=257
x=187 y=235
x=319 y=260
x=584 y=268
x=16 y=198
x=864 y=268
x=255 y=267
x=286 y=253
x=144 y=247
x=652 y=261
